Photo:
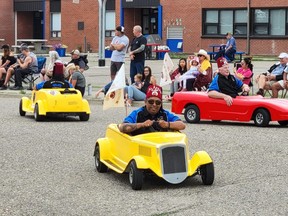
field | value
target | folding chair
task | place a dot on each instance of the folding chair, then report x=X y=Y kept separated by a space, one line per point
x=284 y=93
x=32 y=77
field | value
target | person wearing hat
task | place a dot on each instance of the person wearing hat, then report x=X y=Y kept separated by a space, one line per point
x=30 y=65
x=119 y=46
x=137 y=52
x=151 y=117
x=280 y=85
x=77 y=60
x=229 y=50
x=275 y=74
x=6 y=61
x=205 y=71
x=57 y=80
x=226 y=86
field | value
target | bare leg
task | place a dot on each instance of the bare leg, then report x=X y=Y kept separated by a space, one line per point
x=276 y=87
x=261 y=82
x=10 y=72
x=2 y=71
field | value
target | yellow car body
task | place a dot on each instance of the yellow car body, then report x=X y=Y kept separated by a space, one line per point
x=45 y=102
x=164 y=153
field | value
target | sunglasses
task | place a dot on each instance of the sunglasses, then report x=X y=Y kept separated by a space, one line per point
x=199 y=55
x=157 y=102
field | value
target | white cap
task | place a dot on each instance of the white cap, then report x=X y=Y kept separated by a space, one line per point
x=283 y=55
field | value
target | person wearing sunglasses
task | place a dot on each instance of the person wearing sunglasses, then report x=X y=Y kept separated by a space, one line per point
x=151 y=117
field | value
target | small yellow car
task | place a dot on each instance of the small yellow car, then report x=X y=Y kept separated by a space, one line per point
x=164 y=153
x=47 y=102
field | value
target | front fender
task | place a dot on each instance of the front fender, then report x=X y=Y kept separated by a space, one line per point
x=198 y=159
x=26 y=104
x=141 y=162
x=104 y=149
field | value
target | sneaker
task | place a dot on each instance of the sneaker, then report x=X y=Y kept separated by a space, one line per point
x=260 y=92
x=3 y=87
x=16 y=88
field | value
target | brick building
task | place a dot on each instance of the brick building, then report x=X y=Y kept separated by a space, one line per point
x=259 y=26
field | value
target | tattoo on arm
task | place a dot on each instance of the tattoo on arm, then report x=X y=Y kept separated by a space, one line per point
x=127 y=128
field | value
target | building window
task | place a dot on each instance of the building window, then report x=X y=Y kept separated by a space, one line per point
x=219 y=22
x=269 y=22
x=110 y=24
x=55 y=25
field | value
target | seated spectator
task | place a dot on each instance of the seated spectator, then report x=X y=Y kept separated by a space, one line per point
x=6 y=61
x=139 y=94
x=77 y=78
x=275 y=73
x=205 y=71
x=174 y=86
x=192 y=73
x=229 y=50
x=152 y=117
x=244 y=73
x=46 y=73
x=77 y=60
x=280 y=85
x=30 y=65
x=226 y=86
x=57 y=80
x=138 y=81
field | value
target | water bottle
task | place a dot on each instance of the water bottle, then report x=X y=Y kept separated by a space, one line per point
x=89 y=89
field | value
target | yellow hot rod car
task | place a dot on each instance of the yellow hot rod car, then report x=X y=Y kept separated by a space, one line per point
x=164 y=153
x=47 y=102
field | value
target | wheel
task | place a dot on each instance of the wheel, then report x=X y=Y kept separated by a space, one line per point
x=21 y=112
x=283 y=123
x=36 y=114
x=261 y=118
x=135 y=176
x=99 y=165
x=84 y=117
x=207 y=173
x=192 y=114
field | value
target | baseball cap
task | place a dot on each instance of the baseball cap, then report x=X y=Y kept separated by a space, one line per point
x=75 y=52
x=23 y=46
x=120 y=29
x=283 y=55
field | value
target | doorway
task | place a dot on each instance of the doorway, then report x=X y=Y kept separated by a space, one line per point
x=38 y=23
x=149 y=21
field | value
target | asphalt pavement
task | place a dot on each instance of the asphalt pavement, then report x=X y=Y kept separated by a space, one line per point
x=47 y=168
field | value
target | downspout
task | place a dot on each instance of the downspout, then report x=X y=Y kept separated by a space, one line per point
x=248 y=27
x=43 y=19
x=121 y=14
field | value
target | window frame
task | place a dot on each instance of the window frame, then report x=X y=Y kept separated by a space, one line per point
x=56 y=32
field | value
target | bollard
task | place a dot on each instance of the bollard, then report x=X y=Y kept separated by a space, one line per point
x=89 y=89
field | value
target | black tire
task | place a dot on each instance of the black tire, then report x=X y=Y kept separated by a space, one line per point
x=283 y=123
x=261 y=118
x=207 y=173
x=192 y=114
x=100 y=167
x=21 y=112
x=36 y=113
x=135 y=176
x=84 y=117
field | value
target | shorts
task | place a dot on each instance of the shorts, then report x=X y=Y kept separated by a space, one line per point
x=115 y=67
x=282 y=83
x=271 y=82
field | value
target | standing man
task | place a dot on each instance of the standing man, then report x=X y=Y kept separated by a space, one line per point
x=137 y=52
x=119 y=45
x=230 y=48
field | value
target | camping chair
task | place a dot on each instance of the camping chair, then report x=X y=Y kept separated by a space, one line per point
x=32 y=77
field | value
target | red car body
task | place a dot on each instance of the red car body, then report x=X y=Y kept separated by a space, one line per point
x=244 y=108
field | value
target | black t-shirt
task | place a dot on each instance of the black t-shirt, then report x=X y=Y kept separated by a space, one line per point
x=12 y=60
x=135 y=44
x=228 y=85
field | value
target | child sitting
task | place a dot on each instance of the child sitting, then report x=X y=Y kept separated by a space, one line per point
x=138 y=81
x=190 y=74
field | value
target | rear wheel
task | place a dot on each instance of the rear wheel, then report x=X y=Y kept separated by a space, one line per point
x=37 y=116
x=135 y=176
x=261 y=118
x=21 y=112
x=207 y=173
x=192 y=114
x=283 y=123
x=98 y=164
x=84 y=117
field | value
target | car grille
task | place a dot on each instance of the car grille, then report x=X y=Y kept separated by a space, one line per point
x=173 y=159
